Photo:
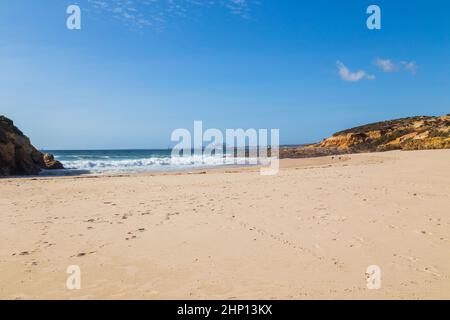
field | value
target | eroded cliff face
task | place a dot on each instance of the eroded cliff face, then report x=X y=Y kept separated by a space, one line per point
x=17 y=154
x=416 y=133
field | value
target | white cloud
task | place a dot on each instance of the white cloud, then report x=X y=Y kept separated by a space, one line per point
x=157 y=13
x=349 y=76
x=411 y=66
x=386 y=65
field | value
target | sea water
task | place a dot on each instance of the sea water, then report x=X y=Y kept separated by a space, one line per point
x=129 y=161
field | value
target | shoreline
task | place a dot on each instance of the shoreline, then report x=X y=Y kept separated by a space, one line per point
x=284 y=163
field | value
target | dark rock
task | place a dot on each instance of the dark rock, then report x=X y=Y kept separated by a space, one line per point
x=18 y=156
x=51 y=163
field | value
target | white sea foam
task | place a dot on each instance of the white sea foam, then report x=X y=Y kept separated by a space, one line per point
x=152 y=163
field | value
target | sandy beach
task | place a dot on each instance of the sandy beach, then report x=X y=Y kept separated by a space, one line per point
x=309 y=232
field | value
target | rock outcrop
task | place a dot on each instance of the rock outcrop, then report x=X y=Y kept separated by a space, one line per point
x=17 y=154
x=415 y=133
x=51 y=163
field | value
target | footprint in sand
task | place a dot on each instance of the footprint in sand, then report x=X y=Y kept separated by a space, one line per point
x=431 y=270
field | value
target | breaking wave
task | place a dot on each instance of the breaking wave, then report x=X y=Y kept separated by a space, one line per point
x=152 y=164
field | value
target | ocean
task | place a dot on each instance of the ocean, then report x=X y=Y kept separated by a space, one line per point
x=131 y=161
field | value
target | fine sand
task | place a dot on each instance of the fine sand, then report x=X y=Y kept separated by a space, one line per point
x=309 y=232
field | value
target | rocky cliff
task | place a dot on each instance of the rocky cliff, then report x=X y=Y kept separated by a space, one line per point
x=415 y=133
x=17 y=154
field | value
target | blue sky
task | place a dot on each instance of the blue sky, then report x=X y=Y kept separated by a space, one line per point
x=137 y=70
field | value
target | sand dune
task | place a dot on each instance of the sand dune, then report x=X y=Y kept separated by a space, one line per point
x=309 y=232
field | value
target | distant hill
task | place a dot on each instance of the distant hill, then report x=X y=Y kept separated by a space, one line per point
x=414 y=133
